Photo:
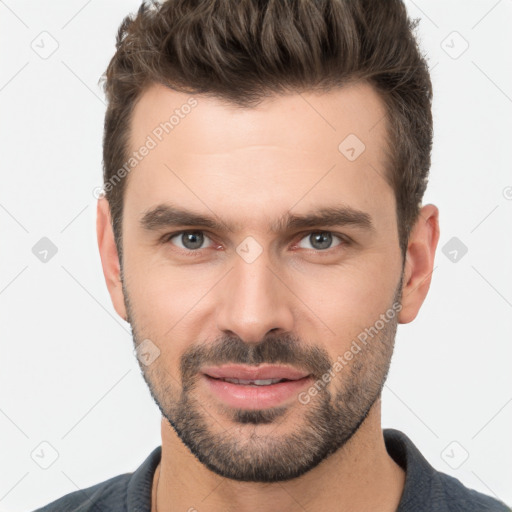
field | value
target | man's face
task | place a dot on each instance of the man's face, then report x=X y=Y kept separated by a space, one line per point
x=257 y=290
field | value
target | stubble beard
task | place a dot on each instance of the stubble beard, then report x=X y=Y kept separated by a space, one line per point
x=312 y=431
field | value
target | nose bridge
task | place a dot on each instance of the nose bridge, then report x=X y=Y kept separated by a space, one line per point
x=254 y=301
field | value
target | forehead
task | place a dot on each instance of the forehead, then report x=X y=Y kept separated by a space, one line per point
x=216 y=125
x=305 y=148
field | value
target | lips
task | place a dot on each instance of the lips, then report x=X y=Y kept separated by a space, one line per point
x=250 y=387
x=256 y=375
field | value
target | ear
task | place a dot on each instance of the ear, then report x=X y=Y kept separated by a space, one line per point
x=109 y=256
x=419 y=262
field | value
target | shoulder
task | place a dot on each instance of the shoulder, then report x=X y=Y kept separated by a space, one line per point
x=129 y=492
x=428 y=489
x=108 y=495
x=459 y=498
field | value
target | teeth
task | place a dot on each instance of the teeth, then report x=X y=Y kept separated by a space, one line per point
x=265 y=382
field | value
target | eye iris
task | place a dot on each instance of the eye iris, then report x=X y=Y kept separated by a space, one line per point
x=192 y=239
x=321 y=240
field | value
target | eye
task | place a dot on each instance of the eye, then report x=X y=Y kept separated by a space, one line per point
x=192 y=241
x=189 y=240
x=320 y=241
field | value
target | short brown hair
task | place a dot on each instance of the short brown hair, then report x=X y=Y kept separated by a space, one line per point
x=243 y=51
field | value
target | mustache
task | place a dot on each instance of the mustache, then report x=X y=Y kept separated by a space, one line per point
x=274 y=349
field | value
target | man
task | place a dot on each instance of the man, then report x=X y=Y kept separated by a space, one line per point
x=262 y=232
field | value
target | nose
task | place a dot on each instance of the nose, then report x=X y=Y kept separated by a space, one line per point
x=254 y=301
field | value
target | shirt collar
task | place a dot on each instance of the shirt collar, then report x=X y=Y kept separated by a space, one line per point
x=138 y=497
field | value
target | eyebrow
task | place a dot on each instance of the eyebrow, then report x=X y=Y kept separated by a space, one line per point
x=168 y=216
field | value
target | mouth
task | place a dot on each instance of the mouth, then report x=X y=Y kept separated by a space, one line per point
x=261 y=375
x=256 y=382
x=249 y=387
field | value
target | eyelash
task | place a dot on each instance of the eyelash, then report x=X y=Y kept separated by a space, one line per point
x=344 y=241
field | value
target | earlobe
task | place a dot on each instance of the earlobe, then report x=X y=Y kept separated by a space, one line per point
x=419 y=262
x=109 y=256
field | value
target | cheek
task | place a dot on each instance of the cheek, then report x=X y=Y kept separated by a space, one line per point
x=164 y=297
x=347 y=298
x=159 y=290
x=171 y=304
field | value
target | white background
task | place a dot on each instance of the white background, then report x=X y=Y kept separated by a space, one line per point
x=68 y=375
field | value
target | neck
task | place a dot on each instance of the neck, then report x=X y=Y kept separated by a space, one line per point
x=360 y=476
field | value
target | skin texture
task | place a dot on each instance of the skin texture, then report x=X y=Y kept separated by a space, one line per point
x=295 y=300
